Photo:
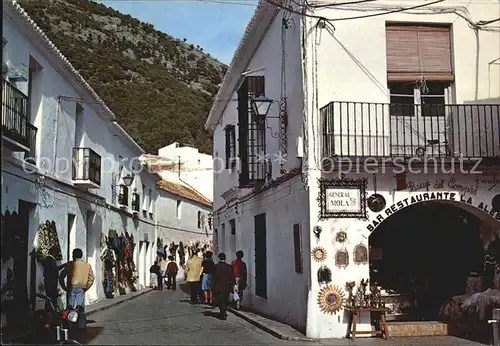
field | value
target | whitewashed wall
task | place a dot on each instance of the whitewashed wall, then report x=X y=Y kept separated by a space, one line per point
x=320 y=325
x=56 y=123
x=284 y=205
x=185 y=229
x=268 y=58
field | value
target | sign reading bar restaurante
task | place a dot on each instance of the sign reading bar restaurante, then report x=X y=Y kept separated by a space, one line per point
x=429 y=196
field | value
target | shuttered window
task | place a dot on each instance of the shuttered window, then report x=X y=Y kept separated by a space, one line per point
x=230 y=146
x=418 y=51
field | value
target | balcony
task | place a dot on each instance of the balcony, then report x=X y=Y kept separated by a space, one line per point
x=17 y=133
x=86 y=172
x=360 y=130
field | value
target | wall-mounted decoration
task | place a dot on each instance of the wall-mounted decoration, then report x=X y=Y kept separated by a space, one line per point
x=360 y=254
x=324 y=275
x=317 y=231
x=342 y=198
x=342 y=259
x=376 y=203
x=331 y=299
x=46 y=238
x=341 y=236
x=319 y=254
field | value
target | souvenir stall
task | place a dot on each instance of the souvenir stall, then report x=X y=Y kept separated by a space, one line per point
x=160 y=249
x=120 y=272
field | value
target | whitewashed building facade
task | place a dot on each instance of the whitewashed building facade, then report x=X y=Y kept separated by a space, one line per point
x=66 y=161
x=359 y=97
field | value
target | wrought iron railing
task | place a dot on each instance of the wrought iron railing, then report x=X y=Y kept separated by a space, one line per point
x=86 y=165
x=358 y=129
x=15 y=116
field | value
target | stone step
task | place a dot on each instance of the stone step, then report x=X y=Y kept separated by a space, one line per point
x=417 y=328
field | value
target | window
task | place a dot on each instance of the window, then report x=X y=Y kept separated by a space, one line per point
x=251 y=134
x=178 y=209
x=145 y=199
x=199 y=219
x=419 y=68
x=230 y=146
x=297 y=245
x=232 y=224
x=151 y=202
x=430 y=98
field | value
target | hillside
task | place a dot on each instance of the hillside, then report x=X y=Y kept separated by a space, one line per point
x=159 y=87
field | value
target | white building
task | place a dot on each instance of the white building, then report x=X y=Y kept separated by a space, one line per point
x=370 y=90
x=66 y=161
x=185 y=165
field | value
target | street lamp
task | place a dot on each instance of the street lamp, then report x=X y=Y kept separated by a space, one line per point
x=261 y=105
x=128 y=180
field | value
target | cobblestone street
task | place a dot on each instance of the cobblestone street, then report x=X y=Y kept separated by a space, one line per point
x=167 y=318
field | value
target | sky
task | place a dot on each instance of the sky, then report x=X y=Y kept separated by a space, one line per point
x=215 y=27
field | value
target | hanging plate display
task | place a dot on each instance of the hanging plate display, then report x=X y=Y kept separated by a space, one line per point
x=331 y=299
x=319 y=254
x=360 y=254
x=342 y=259
x=376 y=202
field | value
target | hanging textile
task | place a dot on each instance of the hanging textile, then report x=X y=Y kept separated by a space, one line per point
x=45 y=239
x=108 y=258
x=182 y=255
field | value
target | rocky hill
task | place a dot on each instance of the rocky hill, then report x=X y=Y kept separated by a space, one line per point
x=160 y=88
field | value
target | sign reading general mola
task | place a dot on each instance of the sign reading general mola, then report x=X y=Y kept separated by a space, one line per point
x=342 y=198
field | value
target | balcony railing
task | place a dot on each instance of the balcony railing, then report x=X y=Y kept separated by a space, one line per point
x=86 y=168
x=357 y=129
x=16 y=128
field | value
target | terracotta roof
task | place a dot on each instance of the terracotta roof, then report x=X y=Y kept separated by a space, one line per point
x=183 y=191
x=56 y=53
x=256 y=29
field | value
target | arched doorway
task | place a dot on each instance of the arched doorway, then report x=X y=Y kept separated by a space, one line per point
x=424 y=254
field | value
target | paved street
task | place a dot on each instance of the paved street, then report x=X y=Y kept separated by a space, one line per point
x=167 y=318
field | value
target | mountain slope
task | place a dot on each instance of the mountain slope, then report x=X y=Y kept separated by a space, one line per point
x=159 y=87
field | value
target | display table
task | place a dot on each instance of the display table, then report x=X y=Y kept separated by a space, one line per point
x=381 y=319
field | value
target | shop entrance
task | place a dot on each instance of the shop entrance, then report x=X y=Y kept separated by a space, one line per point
x=424 y=255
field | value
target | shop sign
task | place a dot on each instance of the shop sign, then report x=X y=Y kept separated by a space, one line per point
x=342 y=198
x=429 y=196
x=438 y=184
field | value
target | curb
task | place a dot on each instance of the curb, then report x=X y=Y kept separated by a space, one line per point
x=112 y=304
x=268 y=330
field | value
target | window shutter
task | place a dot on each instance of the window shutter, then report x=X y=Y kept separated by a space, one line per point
x=415 y=51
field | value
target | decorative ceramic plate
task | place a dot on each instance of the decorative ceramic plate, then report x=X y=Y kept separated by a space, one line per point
x=331 y=299
x=341 y=236
x=318 y=254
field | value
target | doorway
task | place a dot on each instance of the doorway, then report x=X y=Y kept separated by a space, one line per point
x=71 y=236
x=425 y=255
x=260 y=255
x=22 y=266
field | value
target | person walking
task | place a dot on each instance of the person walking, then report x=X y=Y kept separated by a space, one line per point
x=208 y=269
x=223 y=283
x=154 y=270
x=163 y=269
x=51 y=275
x=171 y=271
x=193 y=272
x=79 y=278
x=240 y=276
